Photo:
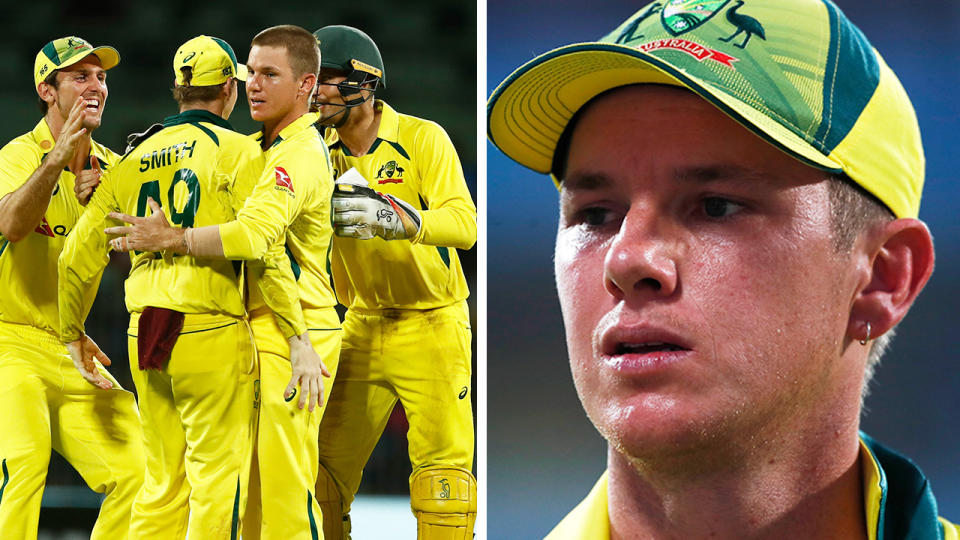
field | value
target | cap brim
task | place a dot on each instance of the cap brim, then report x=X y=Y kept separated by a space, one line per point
x=527 y=113
x=242 y=72
x=109 y=57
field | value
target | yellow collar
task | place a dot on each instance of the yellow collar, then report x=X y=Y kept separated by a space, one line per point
x=591 y=518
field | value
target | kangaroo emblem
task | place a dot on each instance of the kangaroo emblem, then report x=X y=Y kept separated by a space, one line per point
x=629 y=33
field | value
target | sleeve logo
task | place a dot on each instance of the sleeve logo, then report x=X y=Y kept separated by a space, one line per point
x=283 y=179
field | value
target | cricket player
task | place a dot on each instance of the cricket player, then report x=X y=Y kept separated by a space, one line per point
x=739 y=187
x=283 y=65
x=190 y=346
x=407 y=330
x=46 y=176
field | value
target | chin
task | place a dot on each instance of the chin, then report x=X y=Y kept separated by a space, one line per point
x=91 y=123
x=649 y=426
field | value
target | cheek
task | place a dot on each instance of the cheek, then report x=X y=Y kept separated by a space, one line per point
x=583 y=300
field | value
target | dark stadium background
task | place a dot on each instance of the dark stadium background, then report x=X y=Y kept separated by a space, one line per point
x=429 y=51
x=543 y=454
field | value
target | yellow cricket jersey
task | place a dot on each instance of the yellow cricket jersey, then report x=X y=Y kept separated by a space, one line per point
x=414 y=160
x=898 y=502
x=292 y=197
x=200 y=171
x=28 y=268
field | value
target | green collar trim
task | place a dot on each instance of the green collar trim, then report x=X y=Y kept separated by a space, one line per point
x=196 y=115
x=908 y=510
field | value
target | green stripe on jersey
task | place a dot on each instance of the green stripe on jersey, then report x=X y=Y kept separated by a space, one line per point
x=313 y=521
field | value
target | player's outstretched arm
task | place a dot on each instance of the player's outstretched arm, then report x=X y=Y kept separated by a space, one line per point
x=308 y=372
x=84 y=353
x=150 y=233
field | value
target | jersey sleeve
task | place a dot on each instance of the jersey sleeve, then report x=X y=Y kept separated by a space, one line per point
x=280 y=292
x=17 y=163
x=83 y=258
x=450 y=218
x=265 y=214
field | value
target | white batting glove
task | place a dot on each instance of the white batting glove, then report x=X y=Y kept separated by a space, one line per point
x=360 y=212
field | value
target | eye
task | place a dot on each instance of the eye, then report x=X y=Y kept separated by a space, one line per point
x=718 y=207
x=595 y=216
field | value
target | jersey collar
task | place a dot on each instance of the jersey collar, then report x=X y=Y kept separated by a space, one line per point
x=196 y=115
x=389 y=129
x=898 y=501
x=304 y=122
x=41 y=134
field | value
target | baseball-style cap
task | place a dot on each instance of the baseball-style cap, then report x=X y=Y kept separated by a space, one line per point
x=797 y=73
x=67 y=51
x=212 y=61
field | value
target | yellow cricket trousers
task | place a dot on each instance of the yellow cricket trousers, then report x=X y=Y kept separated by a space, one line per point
x=283 y=478
x=198 y=423
x=45 y=404
x=422 y=358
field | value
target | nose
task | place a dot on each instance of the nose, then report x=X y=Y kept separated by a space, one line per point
x=99 y=85
x=253 y=82
x=641 y=260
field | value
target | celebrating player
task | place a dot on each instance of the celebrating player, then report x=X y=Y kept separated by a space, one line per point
x=407 y=331
x=283 y=65
x=45 y=177
x=191 y=353
x=739 y=190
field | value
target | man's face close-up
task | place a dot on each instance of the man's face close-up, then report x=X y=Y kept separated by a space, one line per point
x=88 y=79
x=271 y=84
x=702 y=295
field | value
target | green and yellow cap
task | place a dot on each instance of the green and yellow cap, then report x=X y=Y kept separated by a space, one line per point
x=797 y=73
x=211 y=59
x=67 y=51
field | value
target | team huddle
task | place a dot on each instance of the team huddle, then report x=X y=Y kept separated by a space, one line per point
x=256 y=407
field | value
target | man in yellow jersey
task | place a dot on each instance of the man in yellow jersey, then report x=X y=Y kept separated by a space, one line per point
x=45 y=176
x=283 y=64
x=191 y=352
x=738 y=236
x=407 y=330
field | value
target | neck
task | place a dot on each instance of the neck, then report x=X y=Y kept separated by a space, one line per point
x=215 y=107
x=82 y=153
x=273 y=127
x=360 y=130
x=804 y=484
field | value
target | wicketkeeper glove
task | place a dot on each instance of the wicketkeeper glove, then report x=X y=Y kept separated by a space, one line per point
x=360 y=212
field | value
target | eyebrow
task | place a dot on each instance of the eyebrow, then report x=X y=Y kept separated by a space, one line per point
x=714 y=173
x=86 y=70
x=698 y=174
x=586 y=181
x=267 y=67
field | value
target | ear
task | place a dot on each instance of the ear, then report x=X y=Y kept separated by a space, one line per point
x=308 y=83
x=226 y=89
x=901 y=264
x=47 y=93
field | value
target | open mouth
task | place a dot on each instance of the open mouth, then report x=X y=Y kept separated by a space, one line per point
x=647 y=348
x=92 y=105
